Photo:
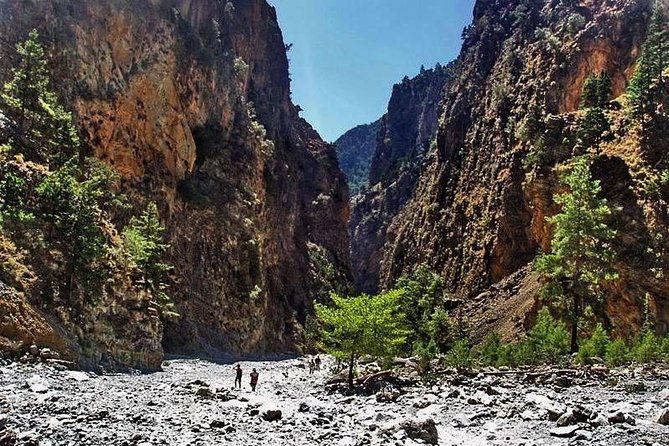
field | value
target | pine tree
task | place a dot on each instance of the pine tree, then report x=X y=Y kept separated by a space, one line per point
x=70 y=212
x=143 y=238
x=652 y=62
x=593 y=127
x=581 y=254
x=597 y=90
x=422 y=301
x=33 y=122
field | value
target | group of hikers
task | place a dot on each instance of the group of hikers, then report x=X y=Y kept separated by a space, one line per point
x=314 y=364
x=238 y=378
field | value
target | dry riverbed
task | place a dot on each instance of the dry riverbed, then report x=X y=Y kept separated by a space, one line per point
x=192 y=403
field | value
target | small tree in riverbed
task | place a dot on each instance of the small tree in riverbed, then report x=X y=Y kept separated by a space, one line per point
x=581 y=255
x=364 y=325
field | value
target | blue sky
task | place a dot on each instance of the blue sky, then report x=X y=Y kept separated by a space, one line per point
x=347 y=54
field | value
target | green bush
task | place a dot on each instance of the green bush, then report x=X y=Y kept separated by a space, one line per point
x=595 y=346
x=426 y=353
x=665 y=346
x=617 y=353
x=460 y=356
x=647 y=348
x=506 y=356
x=440 y=329
x=491 y=350
x=422 y=303
x=548 y=340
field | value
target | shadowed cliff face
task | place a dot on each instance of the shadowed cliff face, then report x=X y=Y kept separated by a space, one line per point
x=478 y=215
x=190 y=102
x=355 y=149
x=404 y=137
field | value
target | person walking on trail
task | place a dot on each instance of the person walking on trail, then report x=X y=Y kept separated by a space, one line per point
x=312 y=365
x=254 y=380
x=318 y=362
x=238 y=377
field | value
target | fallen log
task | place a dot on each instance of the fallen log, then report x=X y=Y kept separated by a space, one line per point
x=364 y=380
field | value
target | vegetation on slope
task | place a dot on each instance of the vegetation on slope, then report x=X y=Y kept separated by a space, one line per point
x=58 y=206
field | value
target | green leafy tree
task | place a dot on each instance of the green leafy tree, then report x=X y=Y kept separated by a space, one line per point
x=423 y=304
x=364 y=325
x=651 y=63
x=581 y=254
x=71 y=209
x=33 y=122
x=143 y=238
x=597 y=90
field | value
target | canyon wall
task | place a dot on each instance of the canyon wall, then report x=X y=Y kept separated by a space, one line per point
x=403 y=139
x=189 y=100
x=478 y=213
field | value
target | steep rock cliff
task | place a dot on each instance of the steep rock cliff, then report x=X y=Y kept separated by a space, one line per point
x=478 y=215
x=355 y=149
x=404 y=137
x=189 y=100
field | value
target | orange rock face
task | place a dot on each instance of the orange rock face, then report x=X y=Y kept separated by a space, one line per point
x=190 y=102
x=476 y=215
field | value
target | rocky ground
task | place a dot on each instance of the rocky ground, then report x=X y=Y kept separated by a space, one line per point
x=192 y=403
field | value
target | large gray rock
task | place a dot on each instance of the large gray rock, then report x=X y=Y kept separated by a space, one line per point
x=270 y=413
x=621 y=417
x=37 y=384
x=554 y=409
x=663 y=417
x=424 y=430
x=564 y=432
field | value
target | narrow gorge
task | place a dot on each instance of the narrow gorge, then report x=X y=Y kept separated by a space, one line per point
x=482 y=259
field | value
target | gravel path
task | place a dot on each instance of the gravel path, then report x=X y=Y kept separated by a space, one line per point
x=192 y=403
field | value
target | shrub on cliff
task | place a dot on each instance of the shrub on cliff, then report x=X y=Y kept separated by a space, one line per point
x=581 y=255
x=363 y=325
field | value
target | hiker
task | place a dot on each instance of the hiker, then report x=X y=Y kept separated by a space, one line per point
x=318 y=362
x=312 y=365
x=238 y=377
x=254 y=379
